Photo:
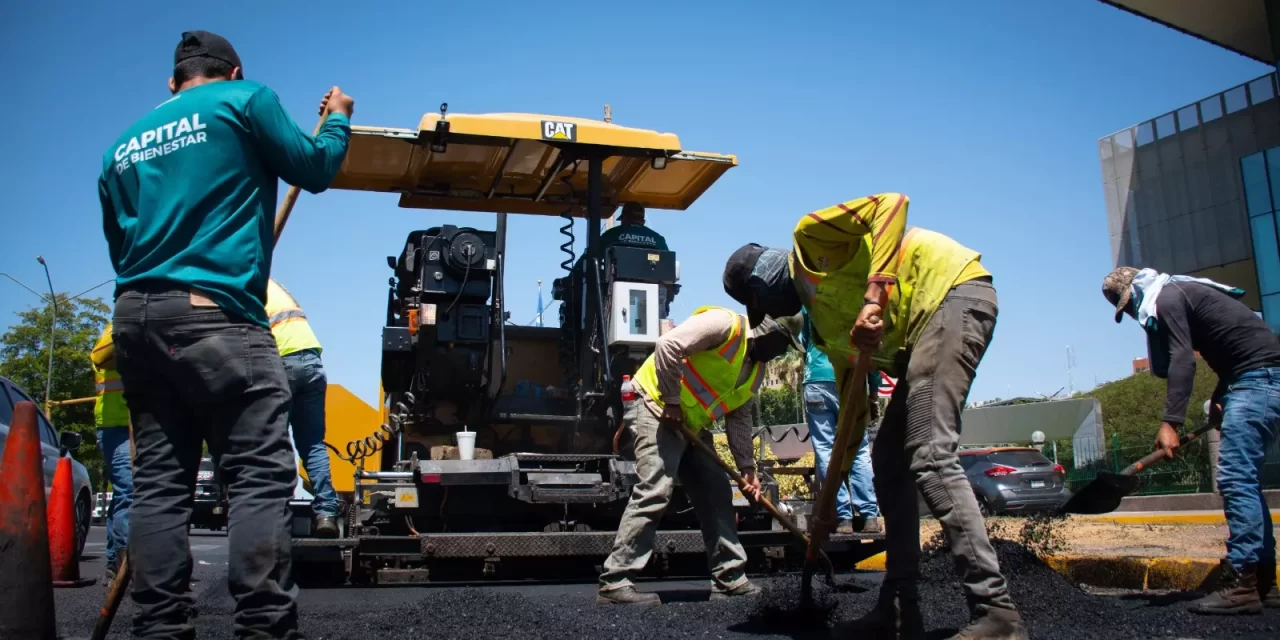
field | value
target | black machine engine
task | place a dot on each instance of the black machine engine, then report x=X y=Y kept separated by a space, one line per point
x=439 y=312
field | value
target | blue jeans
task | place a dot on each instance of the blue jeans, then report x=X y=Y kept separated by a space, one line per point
x=1250 y=425
x=308 y=383
x=113 y=442
x=822 y=407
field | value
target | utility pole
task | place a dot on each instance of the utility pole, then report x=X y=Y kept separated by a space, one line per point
x=1071 y=362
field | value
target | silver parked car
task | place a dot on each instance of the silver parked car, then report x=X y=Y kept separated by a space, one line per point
x=1014 y=480
x=51 y=445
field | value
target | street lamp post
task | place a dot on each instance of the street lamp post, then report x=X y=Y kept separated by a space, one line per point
x=53 y=327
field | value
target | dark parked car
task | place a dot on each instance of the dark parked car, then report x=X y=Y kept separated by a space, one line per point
x=1014 y=480
x=211 y=505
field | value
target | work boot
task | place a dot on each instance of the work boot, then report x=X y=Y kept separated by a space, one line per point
x=745 y=589
x=896 y=616
x=994 y=624
x=870 y=525
x=1267 y=590
x=326 y=526
x=845 y=526
x=628 y=595
x=1238 y=593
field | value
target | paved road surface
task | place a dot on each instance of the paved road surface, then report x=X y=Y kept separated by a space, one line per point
x=1053 y=608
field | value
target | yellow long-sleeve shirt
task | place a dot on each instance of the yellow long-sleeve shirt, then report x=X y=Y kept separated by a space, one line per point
x=828 y=238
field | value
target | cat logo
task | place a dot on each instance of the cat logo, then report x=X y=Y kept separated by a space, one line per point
x=566 y=131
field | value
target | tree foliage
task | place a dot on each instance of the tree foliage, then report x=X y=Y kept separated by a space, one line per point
x=24 y=359
x=780 y=405
x=1132 y=407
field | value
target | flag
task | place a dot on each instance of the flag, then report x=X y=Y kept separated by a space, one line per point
x=538 y=321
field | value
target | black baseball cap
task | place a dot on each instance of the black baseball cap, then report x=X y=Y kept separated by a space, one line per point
x=196 y=44
x=764 y=272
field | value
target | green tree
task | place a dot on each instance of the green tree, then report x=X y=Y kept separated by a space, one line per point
x=780 y=405
x=1132 y=407
x=24 y=359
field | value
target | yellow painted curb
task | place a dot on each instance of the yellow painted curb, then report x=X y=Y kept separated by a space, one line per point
x=1165 y=518
x=1120 y=572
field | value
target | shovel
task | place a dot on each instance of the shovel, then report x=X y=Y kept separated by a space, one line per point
x=852 y=425
x=1104 y=493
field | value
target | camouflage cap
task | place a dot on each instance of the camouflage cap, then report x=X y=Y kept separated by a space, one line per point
x=1117 y=288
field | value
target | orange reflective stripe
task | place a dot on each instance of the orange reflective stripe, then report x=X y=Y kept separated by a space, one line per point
x=697 y=386
x=288 y=314
x=730 y=349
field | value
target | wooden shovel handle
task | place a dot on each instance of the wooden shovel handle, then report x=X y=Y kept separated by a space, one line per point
x=291 y=196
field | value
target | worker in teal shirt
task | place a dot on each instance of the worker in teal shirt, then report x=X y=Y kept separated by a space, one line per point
x=188 y=197
x=631 y=231
x=822 y=408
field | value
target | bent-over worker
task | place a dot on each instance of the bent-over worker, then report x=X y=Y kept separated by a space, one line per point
x=300 y=351
x=188 y=197
x=708 y=367
x=111 y=417
x=1182 y=316
x=925 y=308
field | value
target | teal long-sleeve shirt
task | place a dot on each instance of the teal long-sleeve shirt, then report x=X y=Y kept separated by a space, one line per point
x=188 y=192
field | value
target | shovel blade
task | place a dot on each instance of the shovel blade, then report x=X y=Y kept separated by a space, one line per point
x=1103 y=495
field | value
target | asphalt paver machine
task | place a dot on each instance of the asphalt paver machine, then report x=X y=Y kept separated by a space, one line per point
x=551 y=473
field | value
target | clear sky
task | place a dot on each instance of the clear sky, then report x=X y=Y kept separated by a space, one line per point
x=985 y=113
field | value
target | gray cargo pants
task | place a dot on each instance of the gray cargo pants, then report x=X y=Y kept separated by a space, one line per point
x=194 y=374
x=662 y=454
x=916 y=448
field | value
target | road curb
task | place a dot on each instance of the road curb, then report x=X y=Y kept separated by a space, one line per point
x=1139 y=517
x=1121 y=572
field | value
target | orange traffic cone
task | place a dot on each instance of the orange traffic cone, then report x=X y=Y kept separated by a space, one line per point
x=63 y=552
x=26 y=589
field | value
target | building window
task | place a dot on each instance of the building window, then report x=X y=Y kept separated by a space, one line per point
x=1260 y=174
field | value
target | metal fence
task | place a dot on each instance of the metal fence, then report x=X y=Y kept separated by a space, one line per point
x=1190 y=472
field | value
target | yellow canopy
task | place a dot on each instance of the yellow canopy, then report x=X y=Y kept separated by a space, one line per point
x=525 y=163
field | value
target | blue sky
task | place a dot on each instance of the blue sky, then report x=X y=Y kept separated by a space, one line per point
x=985 y=113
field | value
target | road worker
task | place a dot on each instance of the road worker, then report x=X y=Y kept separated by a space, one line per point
x=300 y=351
x=111 y=417
x=1182 y=316
x=188 y=196
x=706 y=368
x=821 y=408
x=631 y=231
x=925 y=308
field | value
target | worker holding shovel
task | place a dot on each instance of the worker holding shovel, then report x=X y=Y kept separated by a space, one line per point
x=709 y=367
x=1181 y=316
x=188 y=194
x=925 y=308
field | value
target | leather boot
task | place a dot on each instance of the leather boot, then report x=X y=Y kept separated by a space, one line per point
x=994 y=624
x=896 y=616
x=744 y=589
x=326 y=526
x=1238 y=593
x=1267 y=589
x=628 y=595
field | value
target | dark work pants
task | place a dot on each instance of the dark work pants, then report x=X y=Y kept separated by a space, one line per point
x=194 y=374
x=915 y=449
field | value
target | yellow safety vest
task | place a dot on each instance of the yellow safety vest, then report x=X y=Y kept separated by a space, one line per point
x=109 y=408
x=288 y=322
x=929 y=265
x=709 y=386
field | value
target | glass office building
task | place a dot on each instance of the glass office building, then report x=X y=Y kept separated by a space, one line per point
x=1190 y=192
x=1196 y=190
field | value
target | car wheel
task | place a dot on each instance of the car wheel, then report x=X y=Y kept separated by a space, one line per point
x=984 y=508
x=84 y=514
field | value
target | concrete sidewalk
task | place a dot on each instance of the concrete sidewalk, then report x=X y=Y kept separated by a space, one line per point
x=1202 y=516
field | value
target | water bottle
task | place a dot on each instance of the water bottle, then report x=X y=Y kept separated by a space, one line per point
x=628 y=390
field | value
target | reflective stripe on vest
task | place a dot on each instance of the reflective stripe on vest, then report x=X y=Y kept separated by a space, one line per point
x=109 y=386
x=702 y=401
x=928 y=265
x=289 y=314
